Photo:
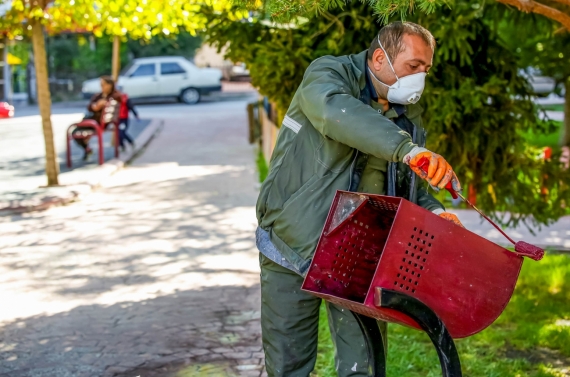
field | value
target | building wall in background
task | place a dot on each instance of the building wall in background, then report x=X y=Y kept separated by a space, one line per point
x=208 y=56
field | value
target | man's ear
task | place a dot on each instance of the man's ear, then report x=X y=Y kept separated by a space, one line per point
x=378 y=59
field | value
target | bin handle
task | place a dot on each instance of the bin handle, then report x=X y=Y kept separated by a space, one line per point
x=522 y=248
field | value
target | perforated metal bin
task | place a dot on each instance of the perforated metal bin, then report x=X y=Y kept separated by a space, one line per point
x=374 y=241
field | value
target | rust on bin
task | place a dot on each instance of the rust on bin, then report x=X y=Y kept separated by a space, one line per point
x=390 y=243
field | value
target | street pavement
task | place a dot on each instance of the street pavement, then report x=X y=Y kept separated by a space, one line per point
x=154 y=274
x=22 y=152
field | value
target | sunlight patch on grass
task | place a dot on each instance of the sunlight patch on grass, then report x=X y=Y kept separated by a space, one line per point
x=544 y=140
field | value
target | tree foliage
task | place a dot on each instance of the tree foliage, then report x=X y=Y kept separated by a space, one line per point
x=130 y=17
x=477 y=109
x=134 y=18
x=541 y=45
x=277 y=55
x=81 y=57
x=285 y=10
x=476 y=103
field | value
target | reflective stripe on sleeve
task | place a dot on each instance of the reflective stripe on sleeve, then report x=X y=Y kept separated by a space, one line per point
x=292 y=124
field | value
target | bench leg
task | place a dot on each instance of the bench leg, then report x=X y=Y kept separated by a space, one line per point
x=374 y=344
x=116 y=131
x=101 y=150
x=68 y=151
x=429 y=322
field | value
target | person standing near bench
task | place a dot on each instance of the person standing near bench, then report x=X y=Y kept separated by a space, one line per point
x=126 y=107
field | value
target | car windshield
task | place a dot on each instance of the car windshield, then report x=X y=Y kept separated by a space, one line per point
x=126 y=69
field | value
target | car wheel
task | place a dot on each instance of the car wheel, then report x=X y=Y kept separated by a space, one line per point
x=190 y=96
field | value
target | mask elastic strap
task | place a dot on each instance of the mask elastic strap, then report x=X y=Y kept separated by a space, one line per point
x=387 y=57
x=376 y=78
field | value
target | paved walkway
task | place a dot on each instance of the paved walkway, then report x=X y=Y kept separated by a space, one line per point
x=156 y=273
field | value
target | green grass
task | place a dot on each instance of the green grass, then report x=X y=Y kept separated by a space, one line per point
x=325 y=356
x=262 y=167
x=537 y=318
x=544 y=140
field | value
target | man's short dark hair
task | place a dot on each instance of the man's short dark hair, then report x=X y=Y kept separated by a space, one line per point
x=391 y=37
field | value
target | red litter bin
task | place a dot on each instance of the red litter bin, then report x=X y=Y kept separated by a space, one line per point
x=375 y=242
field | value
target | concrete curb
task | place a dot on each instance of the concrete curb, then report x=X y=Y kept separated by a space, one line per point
x=79 y=182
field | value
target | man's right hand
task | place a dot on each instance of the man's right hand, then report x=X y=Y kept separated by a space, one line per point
x=439 y=173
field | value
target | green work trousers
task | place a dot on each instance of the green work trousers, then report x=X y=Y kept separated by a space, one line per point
x=289 y=324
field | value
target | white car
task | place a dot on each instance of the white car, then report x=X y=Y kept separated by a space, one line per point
x=163 y=76
x=541 y=85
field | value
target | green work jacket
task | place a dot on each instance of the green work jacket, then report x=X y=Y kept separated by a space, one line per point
x=327 y=131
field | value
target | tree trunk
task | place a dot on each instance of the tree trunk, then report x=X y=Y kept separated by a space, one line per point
x=7 y=75
x=116 y=64
x=44 y=100
x=565 y=130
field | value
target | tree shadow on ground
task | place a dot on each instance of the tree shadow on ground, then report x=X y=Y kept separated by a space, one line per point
x=174 y=235
x=186 y=329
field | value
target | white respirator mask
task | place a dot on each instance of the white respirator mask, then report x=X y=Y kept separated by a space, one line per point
x=406 y=90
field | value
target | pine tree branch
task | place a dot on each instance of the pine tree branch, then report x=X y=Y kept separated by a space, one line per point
x=530 y=6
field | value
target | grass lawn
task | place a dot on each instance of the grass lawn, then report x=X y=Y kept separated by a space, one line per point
x=262 y=167
x=531 y=338
x=542 y=140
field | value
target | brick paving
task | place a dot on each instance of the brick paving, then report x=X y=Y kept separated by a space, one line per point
x=155 y=274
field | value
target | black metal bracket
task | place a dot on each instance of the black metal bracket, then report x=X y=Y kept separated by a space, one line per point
x=374 y=344
x=429 y=322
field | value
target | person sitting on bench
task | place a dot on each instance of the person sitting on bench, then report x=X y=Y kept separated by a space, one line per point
x=96 y=107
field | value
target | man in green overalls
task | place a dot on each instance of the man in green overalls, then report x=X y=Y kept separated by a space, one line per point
x=353 y=124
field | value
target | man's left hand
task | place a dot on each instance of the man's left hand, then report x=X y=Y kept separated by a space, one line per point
x=451 y=217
